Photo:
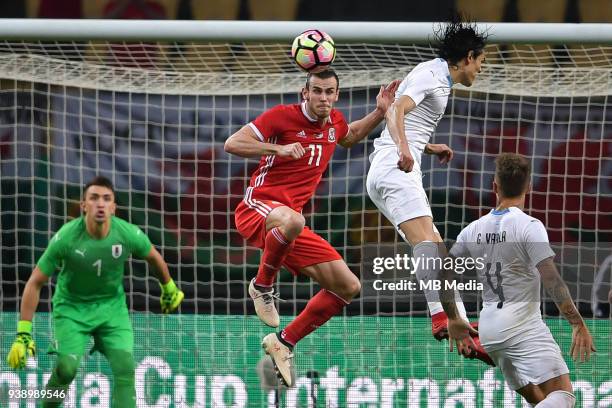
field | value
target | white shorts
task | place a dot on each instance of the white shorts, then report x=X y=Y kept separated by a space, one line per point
x=533 y=358
x=399 y=196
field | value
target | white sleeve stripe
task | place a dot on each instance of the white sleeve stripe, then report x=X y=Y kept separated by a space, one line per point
x=257 y=132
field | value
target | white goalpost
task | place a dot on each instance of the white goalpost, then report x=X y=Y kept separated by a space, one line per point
x=150 y=104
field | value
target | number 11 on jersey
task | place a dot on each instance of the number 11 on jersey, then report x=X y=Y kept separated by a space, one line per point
x=319 y=150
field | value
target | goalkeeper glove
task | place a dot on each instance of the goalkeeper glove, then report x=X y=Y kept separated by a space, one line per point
x=23 y=346
x=171 y=297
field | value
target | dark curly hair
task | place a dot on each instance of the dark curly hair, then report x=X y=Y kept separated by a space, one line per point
x=454 y=40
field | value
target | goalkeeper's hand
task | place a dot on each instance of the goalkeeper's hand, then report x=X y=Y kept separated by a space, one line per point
x=171 y=297
x=23 y=347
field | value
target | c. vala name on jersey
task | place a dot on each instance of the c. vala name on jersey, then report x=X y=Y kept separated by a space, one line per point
x=492 y=237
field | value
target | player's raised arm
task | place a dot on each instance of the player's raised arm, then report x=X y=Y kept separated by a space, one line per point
x=172 y=296
x=582 y=342
x=24 y=345
x=361 y=128
x=246 y=143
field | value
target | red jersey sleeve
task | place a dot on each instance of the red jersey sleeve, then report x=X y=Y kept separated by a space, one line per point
x=266 y=125
x=343 y=127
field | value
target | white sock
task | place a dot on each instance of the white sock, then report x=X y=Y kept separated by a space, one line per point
x=430 y=250
x=558 y=399
x=422 y=252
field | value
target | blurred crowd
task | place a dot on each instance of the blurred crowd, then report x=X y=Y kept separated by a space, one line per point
x=572 y=11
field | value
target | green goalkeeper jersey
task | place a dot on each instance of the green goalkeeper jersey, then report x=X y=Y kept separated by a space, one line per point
x=92 y=269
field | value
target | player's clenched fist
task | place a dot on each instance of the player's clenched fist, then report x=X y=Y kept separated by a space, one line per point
x=405 y=161
x=23 y=346
x=293 y=150
x=171 y=297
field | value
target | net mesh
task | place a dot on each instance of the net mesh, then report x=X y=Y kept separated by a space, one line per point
x=238 y=69
x=154 y=117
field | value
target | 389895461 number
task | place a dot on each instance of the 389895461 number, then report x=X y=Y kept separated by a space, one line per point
x=36 y=394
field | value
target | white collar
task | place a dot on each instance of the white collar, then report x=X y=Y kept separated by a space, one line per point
x=310 y=118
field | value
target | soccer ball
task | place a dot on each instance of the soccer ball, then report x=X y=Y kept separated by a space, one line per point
x=313 y=51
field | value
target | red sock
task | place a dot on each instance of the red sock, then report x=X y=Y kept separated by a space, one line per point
x=275 y=250
x=319 y=309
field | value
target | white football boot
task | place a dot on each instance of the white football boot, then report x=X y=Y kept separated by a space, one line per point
x=264 y=305
x=282 y=357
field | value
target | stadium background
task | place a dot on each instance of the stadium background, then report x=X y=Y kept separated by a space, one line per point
x=186 y=208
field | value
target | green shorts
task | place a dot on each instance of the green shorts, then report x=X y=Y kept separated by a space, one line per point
x=108 y=322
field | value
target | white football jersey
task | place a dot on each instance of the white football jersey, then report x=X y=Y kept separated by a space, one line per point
x=510 y=244
x=429 y=85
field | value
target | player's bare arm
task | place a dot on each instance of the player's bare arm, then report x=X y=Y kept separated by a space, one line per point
x=245 y=143
x=395 y=123
x=447 y=296
x=444 y=153
x=459 y=331
x=582 y=342
x=31 y=294
x=361 y=128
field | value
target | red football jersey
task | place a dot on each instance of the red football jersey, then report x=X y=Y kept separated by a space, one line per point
x=284 y=179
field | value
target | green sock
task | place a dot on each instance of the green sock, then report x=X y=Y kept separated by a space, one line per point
x=63 y=373
x=124 y=390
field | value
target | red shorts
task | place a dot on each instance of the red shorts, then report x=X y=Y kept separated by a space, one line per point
x=309 y=248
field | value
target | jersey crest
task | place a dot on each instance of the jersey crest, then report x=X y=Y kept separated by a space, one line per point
x=331 y=135
x=117 y=250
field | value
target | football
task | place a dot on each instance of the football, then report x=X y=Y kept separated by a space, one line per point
x=313 y=50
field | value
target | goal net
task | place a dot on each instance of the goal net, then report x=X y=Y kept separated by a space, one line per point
x=153 y=117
